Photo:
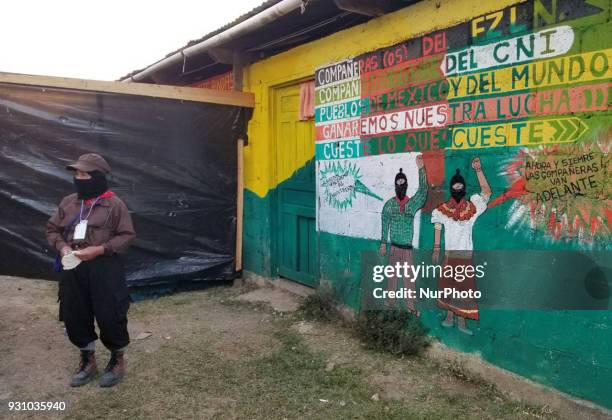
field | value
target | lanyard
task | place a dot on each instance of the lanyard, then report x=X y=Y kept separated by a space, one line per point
x=90 y=209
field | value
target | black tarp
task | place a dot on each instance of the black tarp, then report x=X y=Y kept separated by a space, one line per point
x=173 y=162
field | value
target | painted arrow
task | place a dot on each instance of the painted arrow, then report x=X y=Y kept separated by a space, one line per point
x=360 y=187
x=566 y=129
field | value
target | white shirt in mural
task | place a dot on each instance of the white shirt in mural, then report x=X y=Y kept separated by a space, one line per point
x=458 y=233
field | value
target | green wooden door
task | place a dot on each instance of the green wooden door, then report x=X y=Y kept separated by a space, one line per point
x=295 y=169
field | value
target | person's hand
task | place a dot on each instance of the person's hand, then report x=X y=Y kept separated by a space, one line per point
x=419 y=161
x=476 y=164
x=435 y=254
x=65 y=250
x=383 y=249
x=89 y=253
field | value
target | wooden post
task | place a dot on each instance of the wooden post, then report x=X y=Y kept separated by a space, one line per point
x=239 y=202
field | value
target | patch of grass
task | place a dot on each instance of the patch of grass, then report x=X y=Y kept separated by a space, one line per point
x=188 y=380
x=459 y=371
x=298 y=386
x=397 y=332
x=320 y=306
x=489 y=391
x=243 y=305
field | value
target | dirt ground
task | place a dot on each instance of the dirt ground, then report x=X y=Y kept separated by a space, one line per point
x=218 y=353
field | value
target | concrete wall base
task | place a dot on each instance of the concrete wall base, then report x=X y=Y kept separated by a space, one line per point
x=290 y=286
x=517 y=387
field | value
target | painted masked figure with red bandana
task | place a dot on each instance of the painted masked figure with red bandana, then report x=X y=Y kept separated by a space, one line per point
x=456 y=218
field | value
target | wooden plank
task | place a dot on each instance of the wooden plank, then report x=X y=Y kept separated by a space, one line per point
x=239 y=204
x=130 y=88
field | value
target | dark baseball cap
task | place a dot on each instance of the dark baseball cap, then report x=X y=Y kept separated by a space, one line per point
x=90 y=162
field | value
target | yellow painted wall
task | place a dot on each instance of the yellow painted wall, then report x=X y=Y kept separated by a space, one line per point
x=300 y=63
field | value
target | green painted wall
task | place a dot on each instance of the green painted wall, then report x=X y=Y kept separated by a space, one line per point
x=257 y=239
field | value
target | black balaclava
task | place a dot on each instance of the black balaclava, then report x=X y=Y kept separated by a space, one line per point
x=402 y=186
x=93 y=187
x=457 y=194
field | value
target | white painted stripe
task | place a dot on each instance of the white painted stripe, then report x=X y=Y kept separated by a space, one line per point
x=354 y=98
x=550 y=42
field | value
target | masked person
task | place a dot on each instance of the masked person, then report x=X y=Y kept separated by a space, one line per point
x=93 y=225
x=457 y=216
x=397 y=220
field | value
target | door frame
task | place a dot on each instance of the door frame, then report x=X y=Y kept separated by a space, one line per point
x=274 y=197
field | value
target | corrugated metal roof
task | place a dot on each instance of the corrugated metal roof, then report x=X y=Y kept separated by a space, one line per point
x=318 y=19
x=266 y=4
x=253 y=12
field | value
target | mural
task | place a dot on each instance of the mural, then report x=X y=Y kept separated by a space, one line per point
x=564 y=192
x=526 y=89
x=340 y=184
x=397 y=220
x=457 y=217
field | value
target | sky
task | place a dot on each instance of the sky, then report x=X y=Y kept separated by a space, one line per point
x=104 y=39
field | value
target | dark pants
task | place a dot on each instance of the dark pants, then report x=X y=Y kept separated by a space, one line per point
x=95 y=289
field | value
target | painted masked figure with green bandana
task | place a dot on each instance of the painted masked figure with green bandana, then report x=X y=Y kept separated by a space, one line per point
x=398 y=224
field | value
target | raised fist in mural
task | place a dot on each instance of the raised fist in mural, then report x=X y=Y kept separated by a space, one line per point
x=419 y=161
x=476 y=164
x=435 y=255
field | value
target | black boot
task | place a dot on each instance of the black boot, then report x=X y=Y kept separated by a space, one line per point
x=87 y=369
x=114 y=371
